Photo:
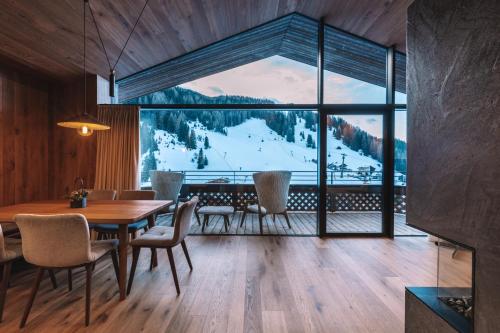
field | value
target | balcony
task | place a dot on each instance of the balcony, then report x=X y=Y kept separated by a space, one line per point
x=354 y=201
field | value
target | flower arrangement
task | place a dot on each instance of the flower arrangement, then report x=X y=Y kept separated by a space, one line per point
x=78 y=198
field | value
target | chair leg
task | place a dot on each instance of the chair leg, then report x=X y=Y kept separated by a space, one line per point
x=274 y=218
x=34 y=290
x=197 y=217
x=154 y=259
x=243 y=218
x=135 y=257
x=114 y=259
x=53 y=278
x=287 y=220
x=70 y=279
x=184 y=248
x=88 y=288
x=226 y=222
x=5 y=284
x=205 y=222
x=260 y=223
x=172 y=267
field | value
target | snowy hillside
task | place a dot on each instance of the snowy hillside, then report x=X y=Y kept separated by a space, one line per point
x=253 y=146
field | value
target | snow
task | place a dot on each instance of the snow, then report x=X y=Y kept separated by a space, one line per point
x=253 y=146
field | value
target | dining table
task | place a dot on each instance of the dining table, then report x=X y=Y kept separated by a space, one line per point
x=120 y=212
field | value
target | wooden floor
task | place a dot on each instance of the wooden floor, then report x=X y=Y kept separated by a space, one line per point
x=243 y=284
x=303 y=223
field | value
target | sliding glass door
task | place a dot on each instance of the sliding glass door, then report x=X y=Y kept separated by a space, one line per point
x=353 y=182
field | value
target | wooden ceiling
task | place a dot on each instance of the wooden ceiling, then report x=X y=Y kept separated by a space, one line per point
x=47 y=35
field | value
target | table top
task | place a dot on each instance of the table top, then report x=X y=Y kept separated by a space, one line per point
x=97 y=211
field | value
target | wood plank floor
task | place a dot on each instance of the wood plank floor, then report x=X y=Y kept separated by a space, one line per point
x=243 y=284
x=303 y=223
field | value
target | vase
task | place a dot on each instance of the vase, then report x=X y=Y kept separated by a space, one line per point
x=78 y=203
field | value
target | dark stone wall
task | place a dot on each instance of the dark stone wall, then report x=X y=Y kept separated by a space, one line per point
x=454 y=134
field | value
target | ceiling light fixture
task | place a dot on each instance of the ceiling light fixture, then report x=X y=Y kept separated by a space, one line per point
x=112 y=69
x=85 y=124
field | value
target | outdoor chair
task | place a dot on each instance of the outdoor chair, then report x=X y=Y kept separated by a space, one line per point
x=272 y=193
x=168 y=185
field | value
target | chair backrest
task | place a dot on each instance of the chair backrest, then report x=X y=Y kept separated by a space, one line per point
x=3 y=253
x=137 y=195
x=61 y=240
x=101 y=195
x=272 y=189
x=184 y=219
x=166 y=184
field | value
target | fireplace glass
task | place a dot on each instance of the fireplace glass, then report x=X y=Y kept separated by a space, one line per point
x=455 y=277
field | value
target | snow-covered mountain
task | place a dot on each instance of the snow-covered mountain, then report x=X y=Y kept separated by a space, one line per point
x=253 y=146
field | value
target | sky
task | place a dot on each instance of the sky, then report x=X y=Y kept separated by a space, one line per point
x=286 y=81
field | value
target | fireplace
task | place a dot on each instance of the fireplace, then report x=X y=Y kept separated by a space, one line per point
x=455 y=272
x=452 y=297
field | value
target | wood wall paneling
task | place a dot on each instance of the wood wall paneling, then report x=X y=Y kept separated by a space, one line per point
x=24 y=137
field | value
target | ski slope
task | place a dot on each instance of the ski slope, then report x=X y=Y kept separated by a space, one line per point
x=253 y=146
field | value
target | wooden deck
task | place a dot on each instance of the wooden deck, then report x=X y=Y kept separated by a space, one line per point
x=303 y=223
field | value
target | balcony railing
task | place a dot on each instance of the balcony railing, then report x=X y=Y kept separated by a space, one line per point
x=334 y=177
x=235 y=188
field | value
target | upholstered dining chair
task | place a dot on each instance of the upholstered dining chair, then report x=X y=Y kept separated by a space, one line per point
x=10 y=250
x=106 y=230
x=167 y=185
x=61 y=241
x=272 y=196
x=163 y=237
x=101 y=195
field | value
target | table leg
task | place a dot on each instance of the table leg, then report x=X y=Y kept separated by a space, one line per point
x=154 y=257
x=123 y=246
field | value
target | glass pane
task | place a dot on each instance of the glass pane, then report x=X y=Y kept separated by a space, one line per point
x=355 y=69
x=274 y=80
x=219 y=151
x=400 y=78
x=400 y=152
x=354 y=173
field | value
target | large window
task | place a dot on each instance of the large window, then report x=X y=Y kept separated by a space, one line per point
x=227 y=146
x=250 y=103
x=355 y=69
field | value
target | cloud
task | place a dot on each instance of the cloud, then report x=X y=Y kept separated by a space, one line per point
x=217 y=90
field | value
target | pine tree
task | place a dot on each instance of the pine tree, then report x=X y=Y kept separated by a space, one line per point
x=149 y=164
x=205 y=160
x=310 y=141
x=191 y=143
x=290 y=135
x=206 y=144
x=201 y=160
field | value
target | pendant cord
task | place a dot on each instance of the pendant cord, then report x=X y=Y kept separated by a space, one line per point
x=84 y=60
x=99 y=35
x=112 y=68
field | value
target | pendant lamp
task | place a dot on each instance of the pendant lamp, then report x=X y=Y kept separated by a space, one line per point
x=85 y=124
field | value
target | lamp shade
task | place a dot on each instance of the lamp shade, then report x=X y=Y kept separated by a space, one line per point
x=85 y=124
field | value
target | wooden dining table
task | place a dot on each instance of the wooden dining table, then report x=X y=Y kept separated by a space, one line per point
x=121 y=212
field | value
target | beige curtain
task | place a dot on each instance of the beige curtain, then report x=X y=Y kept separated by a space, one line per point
x=117 y=162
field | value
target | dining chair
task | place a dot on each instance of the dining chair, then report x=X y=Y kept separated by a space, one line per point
x=163 y=237
x=61 y=241
x=10 y=250
x=272 y=196
x=111 y=230
x=167 y=185
x=101 y=195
